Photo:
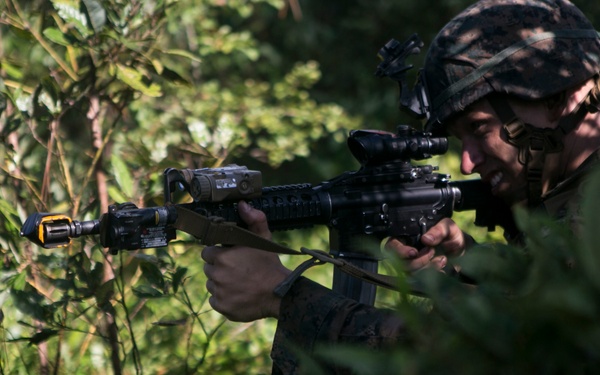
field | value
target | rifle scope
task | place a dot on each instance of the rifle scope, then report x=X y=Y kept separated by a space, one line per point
x=375 y=147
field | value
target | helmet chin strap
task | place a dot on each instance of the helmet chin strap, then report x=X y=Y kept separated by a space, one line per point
x=533 y=142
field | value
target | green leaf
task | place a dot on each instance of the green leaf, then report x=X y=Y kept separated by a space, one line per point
x=68 y=10
x=178 y=277
x=146 y=258
x=152 y=274
x=9 y=213
x=94 y=278
x=134 y=79
x=39 y=337
x=51 y=261
x=11 y=70
x=146 y=291
x=31 y=303
x=494 y=263
x=81 y=264
x=122 y=174
x=172 y=76
x=589 y=254
x=95 y=14
x=158 y=66
x=18 y=281
x=171 y=322
x=116 y=194
x=3 y=297
x=63 y=284
x=3 y=104
x=105 y=292
x=56 y=36
x=183 y=53
x=47 y=97
x=43 y=336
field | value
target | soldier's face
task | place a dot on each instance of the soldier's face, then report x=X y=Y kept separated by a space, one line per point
x=485 y=149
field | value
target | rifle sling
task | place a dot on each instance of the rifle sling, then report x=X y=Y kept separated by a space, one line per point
x=214 y=230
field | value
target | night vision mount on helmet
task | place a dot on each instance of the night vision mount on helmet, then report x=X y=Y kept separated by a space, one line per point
x=394 y=54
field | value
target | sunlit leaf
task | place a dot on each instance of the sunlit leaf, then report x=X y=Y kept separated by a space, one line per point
x=4 y=296
x=122 y=175
x=56 y=36
x=134 y=79
x=51 y=88
x=18 y=281
x=182 y=53
x=11 y=70
x=9 y=213
x=95 y=13
x=158 y=66
x=116 y=194
x=69 y=11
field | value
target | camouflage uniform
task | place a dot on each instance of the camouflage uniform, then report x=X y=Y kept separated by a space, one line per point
x=563 y=202
x=530 y=49
x=311 y=314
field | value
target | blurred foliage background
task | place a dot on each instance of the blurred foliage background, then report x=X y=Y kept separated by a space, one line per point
x=99 y=97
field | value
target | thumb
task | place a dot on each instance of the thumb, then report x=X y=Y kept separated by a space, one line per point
x=255 y=219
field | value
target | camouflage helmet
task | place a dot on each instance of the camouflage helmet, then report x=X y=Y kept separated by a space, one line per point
x=531 y=49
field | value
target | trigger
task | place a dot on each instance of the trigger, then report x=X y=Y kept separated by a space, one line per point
x=422 y=226
x=422 y=230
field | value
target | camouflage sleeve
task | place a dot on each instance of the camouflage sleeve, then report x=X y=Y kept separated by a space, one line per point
x=312 y=314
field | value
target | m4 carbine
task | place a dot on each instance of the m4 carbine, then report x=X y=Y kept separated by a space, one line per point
x=387 y=196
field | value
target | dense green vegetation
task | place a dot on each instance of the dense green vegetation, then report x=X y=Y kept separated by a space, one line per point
x=99 y=97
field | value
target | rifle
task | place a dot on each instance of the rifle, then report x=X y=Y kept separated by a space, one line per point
x=387 y=196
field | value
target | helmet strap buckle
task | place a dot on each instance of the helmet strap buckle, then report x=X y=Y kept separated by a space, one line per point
x=533 y=144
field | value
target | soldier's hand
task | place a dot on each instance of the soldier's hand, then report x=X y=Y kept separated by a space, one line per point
x=241 y=279
x=440 y=241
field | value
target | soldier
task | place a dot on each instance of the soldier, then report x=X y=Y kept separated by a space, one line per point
x=516 y=81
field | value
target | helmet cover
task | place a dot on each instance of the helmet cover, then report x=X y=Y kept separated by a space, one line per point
x=531 y=49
